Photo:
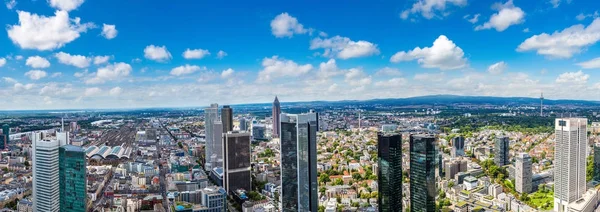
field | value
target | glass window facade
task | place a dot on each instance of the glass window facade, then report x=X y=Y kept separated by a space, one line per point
x=389 y=151
x=72 y=179
x=423 y=163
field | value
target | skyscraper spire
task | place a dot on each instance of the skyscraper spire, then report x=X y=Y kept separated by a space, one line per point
x=276 y=112
x=62 y=124
x=542 y=104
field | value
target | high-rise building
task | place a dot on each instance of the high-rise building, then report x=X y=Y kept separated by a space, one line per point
x=299 y=161
x=389 y=151
x=451 y=168
x=243 y=124
x=458 y=146
x=5 y=136
x=569 y=161
x=227 y=118
x=596 y=162
x=423 y=166
x=276 y=112
x=217 y=148
x=523 y=173
x=72 y=179
x=501 y=151
x=45 y=157
x=214 y=198
x=236 y=161
x=211 y=114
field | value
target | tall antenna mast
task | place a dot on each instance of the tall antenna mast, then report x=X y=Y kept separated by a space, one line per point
x=542 y=104
x=359 y=120
x=62 y=123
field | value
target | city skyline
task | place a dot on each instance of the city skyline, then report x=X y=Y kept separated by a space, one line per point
x=331 y=54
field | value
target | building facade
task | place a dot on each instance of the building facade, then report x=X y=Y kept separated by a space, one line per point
x=236 y=161
x=458 y=146
x=72 y=179
x=276 y=112
x=523 y=173
x=214 y=199
x=6 y=136
x=389 y=151
x=423 y=166
x=227 y=118
x=596 y=163
x=569 y=161
x=45 y=158
x=216 y=158
x=299 y=161
x=211 y=114
x=501 y=151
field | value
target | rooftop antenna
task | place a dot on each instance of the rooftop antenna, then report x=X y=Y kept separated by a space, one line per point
x=62 y=123
x=359 y=120
x=542 y=104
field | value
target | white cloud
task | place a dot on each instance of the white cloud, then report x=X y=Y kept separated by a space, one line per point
x=20 y=87
x=185 y=70
x=80 y=74
x=573 y=77
x=583 y=16
x=332 y=88
x=507 y=15
x=66 y=5
x=10 y=4
x=101 y=59
x=110 y=72
x=444 y=54
x=328 y=69
x=2 y=61
x=343 y=47
x=275 y=67
x=36 y=74
x=387 y=71
x=394 y=82
x=284 y=25
x=473 y=19
x=54 y=89
x=109 y=31
x=430 y=8
x=9 y=80
x=207 y=76
x=115 y=91
x=221 y=54
x=227 y=73
x=92 y=91
x=195 y=53
x=37 y=62
x=497 y=68
x=46 y=33
x=556 y=3
x=526 y=30
x=78 y=61
x=19 y=57
x=157 y=53
x=357 y=78
x=563 y=44
x=590 y=64
x=56 y=74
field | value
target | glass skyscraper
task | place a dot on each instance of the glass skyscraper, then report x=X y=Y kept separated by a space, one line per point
x=227 y=118
x=423 y=164
x=389 y=151
x=596 y=162
x=237 y=161
x=501 y=151
x=299 y=162
x=72 y=179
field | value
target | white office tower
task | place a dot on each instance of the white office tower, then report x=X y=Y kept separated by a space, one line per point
x=523 y=173
x=45 y=170
x=569 y=164
x=211 y=114
x=217 y=157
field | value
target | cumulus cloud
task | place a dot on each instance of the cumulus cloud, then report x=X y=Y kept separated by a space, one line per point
x=36 y=74
x=54 y=89
x=473 y=19
x=66 y=5
x=109 y=31
x=157 y=53
x=444 y=54
x=20 y=87
x=284 y=25
x=110 y=72
x=115 y=91
x=46 y=32
x=387 y=71
x=185 y=70
x=78 y=61
x=92 y=91
x=10 y=4
x=37 y=62
x=497 y=68
x=357 y=77
x=328 y=69
x=573 y=77
x=506 y=16
x=9 y=80
x=56 y=74
x=590 y=64
x=583 y=16
x=431 y=8
x=563 y=44
x=221 y=54
x=2 y=61
x=101 y=59
x=227 y=73
x=195 y=53
x=394 y=82
x=343 y=47
x=275 y=67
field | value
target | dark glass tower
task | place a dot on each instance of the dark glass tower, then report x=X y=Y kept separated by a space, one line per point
x=389 y=151
x=596 y=162
x=458 y=146
x=299 y=162
x=276 y=111
x=237 y=161
x=501 y=151
x=423 y=164
x=5 y=136
x=227 y=118
x=72 y=179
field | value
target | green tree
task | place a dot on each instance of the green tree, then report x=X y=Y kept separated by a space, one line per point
x=356 y=176
x=324 y=178
x=321 y=208
x=589 y=169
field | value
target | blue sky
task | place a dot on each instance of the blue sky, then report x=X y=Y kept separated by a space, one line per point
x=122 y=54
